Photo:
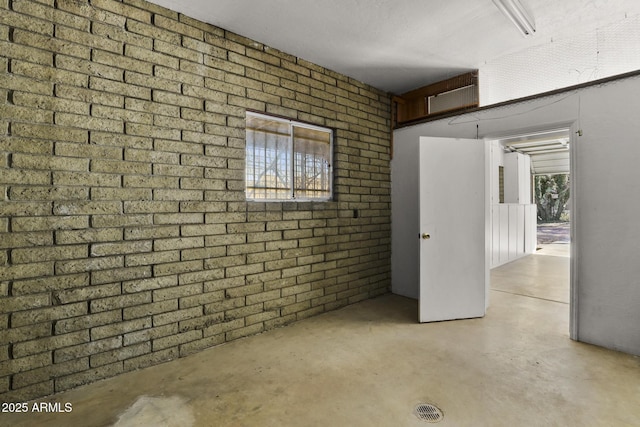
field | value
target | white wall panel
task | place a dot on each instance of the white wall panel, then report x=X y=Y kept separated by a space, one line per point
x=608 y=51
x=606 y=235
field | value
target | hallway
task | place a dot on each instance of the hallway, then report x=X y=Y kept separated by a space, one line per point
x=543 y=275
x=371 y=364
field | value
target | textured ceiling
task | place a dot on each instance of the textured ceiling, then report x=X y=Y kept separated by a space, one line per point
x=399 y=45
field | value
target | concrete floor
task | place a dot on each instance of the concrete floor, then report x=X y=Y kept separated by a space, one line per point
x=544 y=275
x=370 y=364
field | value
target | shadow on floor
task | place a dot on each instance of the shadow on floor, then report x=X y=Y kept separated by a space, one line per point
x=557 y=232
x=371 y=363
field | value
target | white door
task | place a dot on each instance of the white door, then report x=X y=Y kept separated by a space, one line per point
x=454 y=227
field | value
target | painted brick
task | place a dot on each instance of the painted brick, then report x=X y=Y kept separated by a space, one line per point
x=123 y=10
x=174 y=340
x=243 y=332
x=48 y=193
x=16 y=82
x=121 y=220
x=53 y=253
x=118 y=63
x=120 y=328
x=143 y=142
x=88 y=39
x=177 y=267
x=152 y=258
x=204 y=48
x=197 y=345
x=201 y=300
x=129 y=273
x=121 y=114
x=158 y=232
x=180 y=76
x=177 y=316
x=119 y=354
x=139 y=129
x=279 y=322
x=112 y=87
x=88 y=96
x=42 y=131
x=150 y=309
x=88 y=264
x=150 y=56
x=84 y=294
x=179 y=27
x=149 y=284
x=87 y=151
x=123 y=301
x=79 y=351
x=151 y=359
x=89 y=321
x=87 y=207
x=135 y=155
x=26 y=22
x=92 y=68
x=177 y=51
x=124 y=173
x=221 y=328
x=225 y=41
x=33 y=55
x=29 y=392
x=25 y=271
x=177 y=292
x=46 y=283
x=88 y=236
x=75 y=380
x=152 y=31
x=25 y=333
x=23 y=318
x=24 y=364
x=120 y=167
x=115 y=30
x=17 y=240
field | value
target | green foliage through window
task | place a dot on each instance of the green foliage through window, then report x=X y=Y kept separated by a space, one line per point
x=552 y=197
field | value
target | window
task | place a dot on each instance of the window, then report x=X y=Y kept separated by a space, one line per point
x=501 y=183
x=287 y=160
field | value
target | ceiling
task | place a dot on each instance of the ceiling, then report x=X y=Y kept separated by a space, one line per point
x=549 y=150
x=399 y=45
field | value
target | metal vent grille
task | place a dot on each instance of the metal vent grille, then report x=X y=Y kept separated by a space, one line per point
x=429 y=413
x=450 y=100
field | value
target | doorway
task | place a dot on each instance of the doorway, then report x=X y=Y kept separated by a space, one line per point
x=533 y=173
x=409 y=234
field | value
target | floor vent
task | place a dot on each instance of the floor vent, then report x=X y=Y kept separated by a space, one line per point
x=429 y=413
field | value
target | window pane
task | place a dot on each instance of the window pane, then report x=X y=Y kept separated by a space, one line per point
x=268 y=163
x=312 y=163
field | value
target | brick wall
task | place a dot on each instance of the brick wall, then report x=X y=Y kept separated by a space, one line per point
x=125 y=237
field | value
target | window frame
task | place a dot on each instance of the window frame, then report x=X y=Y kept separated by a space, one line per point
x=292 y=124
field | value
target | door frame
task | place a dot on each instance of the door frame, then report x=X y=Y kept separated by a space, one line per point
x=573 y=130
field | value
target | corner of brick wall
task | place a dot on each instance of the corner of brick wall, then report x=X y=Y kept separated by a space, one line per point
x=125 y=237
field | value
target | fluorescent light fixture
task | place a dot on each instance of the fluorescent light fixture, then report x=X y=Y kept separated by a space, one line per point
x=518 y=14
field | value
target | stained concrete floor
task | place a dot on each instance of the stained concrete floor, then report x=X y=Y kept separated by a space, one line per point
x=544 y=275
x=370 y=364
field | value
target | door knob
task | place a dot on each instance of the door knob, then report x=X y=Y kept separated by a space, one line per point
x=426 y=236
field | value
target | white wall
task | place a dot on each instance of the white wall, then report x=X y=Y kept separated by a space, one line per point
x=405 y=220
x=517 y=178
x=513 y=232
x=606 y=174
x=562 y=62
